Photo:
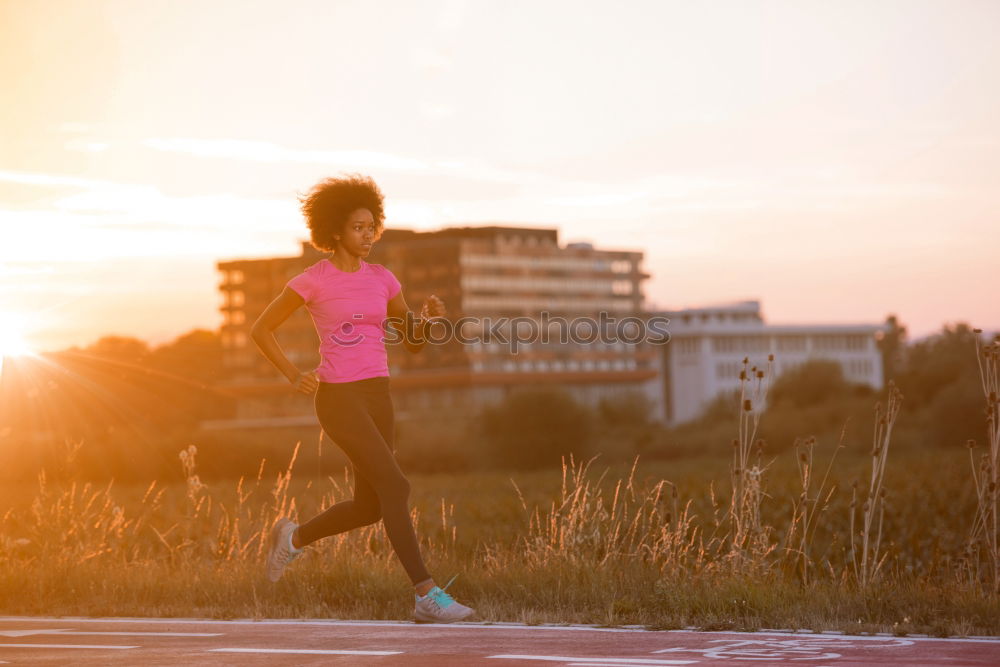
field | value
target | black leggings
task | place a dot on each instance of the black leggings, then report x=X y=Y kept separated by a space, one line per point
x=358 y=416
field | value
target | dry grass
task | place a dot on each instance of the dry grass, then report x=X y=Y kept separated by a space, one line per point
x=624 y=545
x=872 y=558
x=982 y=555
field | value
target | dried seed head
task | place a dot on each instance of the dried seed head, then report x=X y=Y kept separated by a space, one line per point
x=743 y=375
x=803 y=457
x=770 y=357
x=746 y=360
x=736 y=443
x=970 y=443
x=747 y=405
x=760 y=374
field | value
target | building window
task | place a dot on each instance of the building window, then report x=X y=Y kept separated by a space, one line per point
x=792 y=343
x=728 y=370
x=829 y=342
x=621 y=287
x=857 y=342
x=724 y=344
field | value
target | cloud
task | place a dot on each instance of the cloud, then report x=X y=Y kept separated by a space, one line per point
x=430 y=61
x=463 y=167
x=598 y=199
x=86 y=146
x=437 y=110
x=265 y=151
x=50 y=180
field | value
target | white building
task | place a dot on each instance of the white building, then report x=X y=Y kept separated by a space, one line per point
x=707 y=346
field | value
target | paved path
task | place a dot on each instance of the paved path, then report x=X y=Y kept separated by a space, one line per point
x=89 y=641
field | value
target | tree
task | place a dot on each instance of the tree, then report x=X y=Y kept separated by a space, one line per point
x=892 y=343
x=196 y=354
x=119 y=348
x=534 y=427
x=936 y=361
x=940 y=380
x=813 y=382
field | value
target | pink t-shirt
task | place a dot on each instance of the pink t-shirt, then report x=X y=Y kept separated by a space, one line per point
x=348 y=310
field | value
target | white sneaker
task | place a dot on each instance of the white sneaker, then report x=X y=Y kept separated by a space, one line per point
x=280 y=550
x=439 y=607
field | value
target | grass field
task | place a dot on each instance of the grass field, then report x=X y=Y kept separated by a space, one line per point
x=585 y=544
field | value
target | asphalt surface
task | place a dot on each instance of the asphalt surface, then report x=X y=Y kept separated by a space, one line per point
x=89 y=641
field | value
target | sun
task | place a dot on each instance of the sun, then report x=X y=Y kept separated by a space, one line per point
x=13 y=341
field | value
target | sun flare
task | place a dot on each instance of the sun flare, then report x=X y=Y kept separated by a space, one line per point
x=13 y=340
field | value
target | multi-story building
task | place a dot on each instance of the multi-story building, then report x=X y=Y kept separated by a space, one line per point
x=483 y=275
x=707 y=346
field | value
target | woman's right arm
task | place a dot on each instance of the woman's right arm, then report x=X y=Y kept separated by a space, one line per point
x=262 y=333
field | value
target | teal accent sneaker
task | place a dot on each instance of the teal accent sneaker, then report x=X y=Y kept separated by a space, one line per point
x=280 y=550
x=439 y=607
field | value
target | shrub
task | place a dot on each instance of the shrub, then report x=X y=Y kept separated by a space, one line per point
x=532 y=428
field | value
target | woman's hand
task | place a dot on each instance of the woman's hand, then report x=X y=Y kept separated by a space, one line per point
x=433 y=307
x=307 y=382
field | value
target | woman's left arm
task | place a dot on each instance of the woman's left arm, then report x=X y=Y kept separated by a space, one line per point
x=411 y=327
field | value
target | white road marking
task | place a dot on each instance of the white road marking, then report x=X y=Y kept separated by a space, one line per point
x=105 y=646
x=800 y=648
x=310 y=651
x=594 y=664
x=604 y=661
x=29 y=633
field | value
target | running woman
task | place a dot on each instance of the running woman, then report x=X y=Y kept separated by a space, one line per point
x=348 y=300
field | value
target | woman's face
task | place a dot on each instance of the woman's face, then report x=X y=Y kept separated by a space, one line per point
x=358 y=233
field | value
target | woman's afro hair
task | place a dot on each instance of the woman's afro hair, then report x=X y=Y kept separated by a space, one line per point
x=328 y=204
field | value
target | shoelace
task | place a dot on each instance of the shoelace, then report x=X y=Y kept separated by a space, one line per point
x=440 y=598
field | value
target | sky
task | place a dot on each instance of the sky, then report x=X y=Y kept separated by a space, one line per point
x=838 y=161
